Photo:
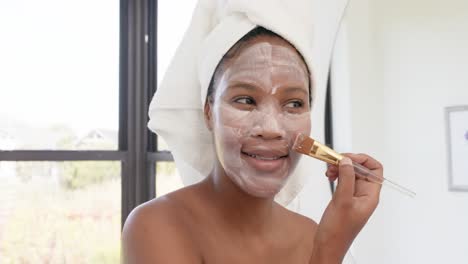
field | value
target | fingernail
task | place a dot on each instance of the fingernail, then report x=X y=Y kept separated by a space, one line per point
x=346 y=161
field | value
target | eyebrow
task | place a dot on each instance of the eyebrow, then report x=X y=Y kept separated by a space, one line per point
x=252 y=87
x=243 y=85
x=295 y=89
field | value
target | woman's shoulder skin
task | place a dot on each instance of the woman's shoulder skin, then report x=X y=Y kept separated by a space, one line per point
x=300 y=228
x=157 y=232
x=173 y=229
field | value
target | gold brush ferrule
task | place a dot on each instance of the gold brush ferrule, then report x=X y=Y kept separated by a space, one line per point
x=324 y=153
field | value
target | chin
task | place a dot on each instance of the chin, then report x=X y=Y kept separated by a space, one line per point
x=259 y=186
x=270 y=193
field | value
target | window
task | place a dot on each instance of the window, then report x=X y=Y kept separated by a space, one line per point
x=60 y=212
x=167 y=178
x=58 y=71
x=74 y=86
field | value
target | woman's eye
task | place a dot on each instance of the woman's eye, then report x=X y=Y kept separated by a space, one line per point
x=295 y=104
x=245 y=100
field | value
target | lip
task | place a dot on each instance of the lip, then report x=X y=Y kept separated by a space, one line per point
x=265 y=161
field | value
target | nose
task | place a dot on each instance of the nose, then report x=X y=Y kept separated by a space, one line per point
x=268 y=126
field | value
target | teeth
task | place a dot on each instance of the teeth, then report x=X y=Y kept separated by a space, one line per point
x=262 y=158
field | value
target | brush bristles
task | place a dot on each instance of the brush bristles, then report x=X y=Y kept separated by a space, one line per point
x=303 y=144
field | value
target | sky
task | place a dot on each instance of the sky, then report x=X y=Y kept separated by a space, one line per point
x=173 y=20
x=59 y=62
x=59 y=59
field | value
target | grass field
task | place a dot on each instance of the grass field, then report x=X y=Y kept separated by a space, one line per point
x=46 y=223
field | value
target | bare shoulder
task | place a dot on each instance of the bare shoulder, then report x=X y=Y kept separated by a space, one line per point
x=157 y=232
x=305 y=223
x=301 y=228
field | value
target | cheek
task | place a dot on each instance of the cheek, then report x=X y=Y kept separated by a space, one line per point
x=227 y=138
x=228 y=142
x=305 y=127
x=237 y=122
x=229 y=127
x=299 y=124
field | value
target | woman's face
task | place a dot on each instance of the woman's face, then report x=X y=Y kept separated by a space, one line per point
x=260 y=104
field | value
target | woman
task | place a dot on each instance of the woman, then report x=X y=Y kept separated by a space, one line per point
x=258 y=100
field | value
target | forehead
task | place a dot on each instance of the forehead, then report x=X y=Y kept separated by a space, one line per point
x=263 y=57
x=267 y=49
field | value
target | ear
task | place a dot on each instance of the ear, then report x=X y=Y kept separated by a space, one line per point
x=208 y=115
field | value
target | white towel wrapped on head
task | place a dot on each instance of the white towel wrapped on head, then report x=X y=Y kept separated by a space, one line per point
x=176 y=111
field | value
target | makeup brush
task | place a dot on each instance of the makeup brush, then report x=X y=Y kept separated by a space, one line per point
x=310 y=147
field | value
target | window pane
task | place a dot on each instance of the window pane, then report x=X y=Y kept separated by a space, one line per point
x=167 y=178
x=60 y=212
x=59 y=74
x=173 y=21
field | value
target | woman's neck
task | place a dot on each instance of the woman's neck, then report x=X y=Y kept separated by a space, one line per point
x=246 y=213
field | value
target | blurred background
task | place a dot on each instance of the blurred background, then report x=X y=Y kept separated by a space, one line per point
x=407 y=63
x=76 y=78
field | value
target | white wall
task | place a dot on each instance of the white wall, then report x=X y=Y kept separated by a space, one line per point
x=408 y=60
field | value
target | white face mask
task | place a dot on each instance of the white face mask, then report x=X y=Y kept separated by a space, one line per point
x=260 y=104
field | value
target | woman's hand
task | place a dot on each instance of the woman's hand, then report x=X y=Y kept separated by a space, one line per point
x=352 y=204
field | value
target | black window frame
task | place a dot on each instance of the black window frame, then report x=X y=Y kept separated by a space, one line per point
x=329 y=120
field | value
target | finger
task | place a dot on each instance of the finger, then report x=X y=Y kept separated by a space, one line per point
x=346 y=179
x=332 y=168
x=331 y=174
x=365 y=160
x=363 y=186
x=332 y=179
x=367 y=188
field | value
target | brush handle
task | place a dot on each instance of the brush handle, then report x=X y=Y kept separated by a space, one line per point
x=366 y=174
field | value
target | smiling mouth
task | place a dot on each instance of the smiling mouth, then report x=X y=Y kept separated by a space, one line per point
x=267 y=161
x=260 y=157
